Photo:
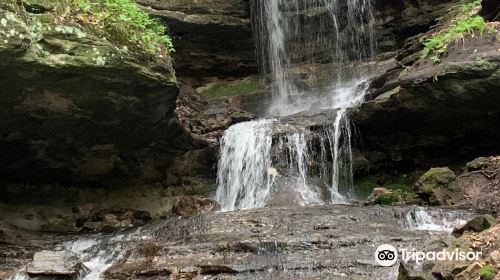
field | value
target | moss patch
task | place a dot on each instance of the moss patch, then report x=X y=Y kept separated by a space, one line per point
x=487 y=272
x=396 y=197
x=233 y=88
x=440 y=176
x=364 y=187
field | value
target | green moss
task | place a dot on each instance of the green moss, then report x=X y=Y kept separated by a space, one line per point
x=238 y=87
x=487 y=272
x=466 y=22
x=440 y=176
x=364 y=188
x=395 y=196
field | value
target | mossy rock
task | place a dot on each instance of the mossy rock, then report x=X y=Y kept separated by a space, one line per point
x=477 y=224
x=479 y=164
x=244 y=86
x=442 y=176
x=396 y=197
x=438 y=186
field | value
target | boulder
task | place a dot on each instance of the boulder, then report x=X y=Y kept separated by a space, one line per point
x=477 y=224
x=479 y=163
x=448 y=269
x=481 y=186
x=438 y=186
x=194 y=205
x=494 y=258
x=54 y=263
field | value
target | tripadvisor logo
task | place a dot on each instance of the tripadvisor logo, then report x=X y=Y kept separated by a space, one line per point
x=387 y=255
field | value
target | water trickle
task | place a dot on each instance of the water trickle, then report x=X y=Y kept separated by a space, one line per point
x=429 y=219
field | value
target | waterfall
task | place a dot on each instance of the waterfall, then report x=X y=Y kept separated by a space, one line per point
x=244 y=171
x=295 y=38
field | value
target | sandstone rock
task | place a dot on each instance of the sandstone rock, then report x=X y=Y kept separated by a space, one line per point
x=78 y=108
x=407 y=273
x=438 y=186
x=204 y=47
x=83 y=212
x=471 y=272
x=479 y=164
x=194 y=205
x=448 y=269
x=477 y=224
x=110 y=219
x=428 y=118
x=495 y=257
x=54 y=263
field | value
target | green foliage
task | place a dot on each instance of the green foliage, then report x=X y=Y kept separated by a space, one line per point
x=487 y=272
x=121 y=20
x=395 y=196
x=466 y=22
x=365 y=187
x=237 y=87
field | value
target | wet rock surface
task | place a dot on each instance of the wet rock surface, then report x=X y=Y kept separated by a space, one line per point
x=278 y=243
x=54 y=263
x=88 y=218
x=194 y=205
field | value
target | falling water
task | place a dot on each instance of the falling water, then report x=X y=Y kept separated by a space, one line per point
x=244 y=174
x=291 y=36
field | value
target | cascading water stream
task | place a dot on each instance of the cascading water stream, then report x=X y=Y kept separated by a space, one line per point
x=287 y=40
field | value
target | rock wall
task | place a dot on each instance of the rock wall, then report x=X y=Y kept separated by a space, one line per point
x=212 y=38
x=79 y=108
x=424 y=113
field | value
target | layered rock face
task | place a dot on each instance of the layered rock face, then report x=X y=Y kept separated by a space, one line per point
x=424 y=113
x=76 y=107
x=397 y=20
x=211 y=37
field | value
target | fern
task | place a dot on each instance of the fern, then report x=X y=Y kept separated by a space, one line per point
x=466 y=23
x=124 y=21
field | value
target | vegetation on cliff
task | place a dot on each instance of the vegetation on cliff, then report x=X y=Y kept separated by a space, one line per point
x=465 y=22
x=120 y=21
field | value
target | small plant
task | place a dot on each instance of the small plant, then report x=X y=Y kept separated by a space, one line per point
x=487 y=272
x=125 y=21
x=120 y=20
x=466 y=23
